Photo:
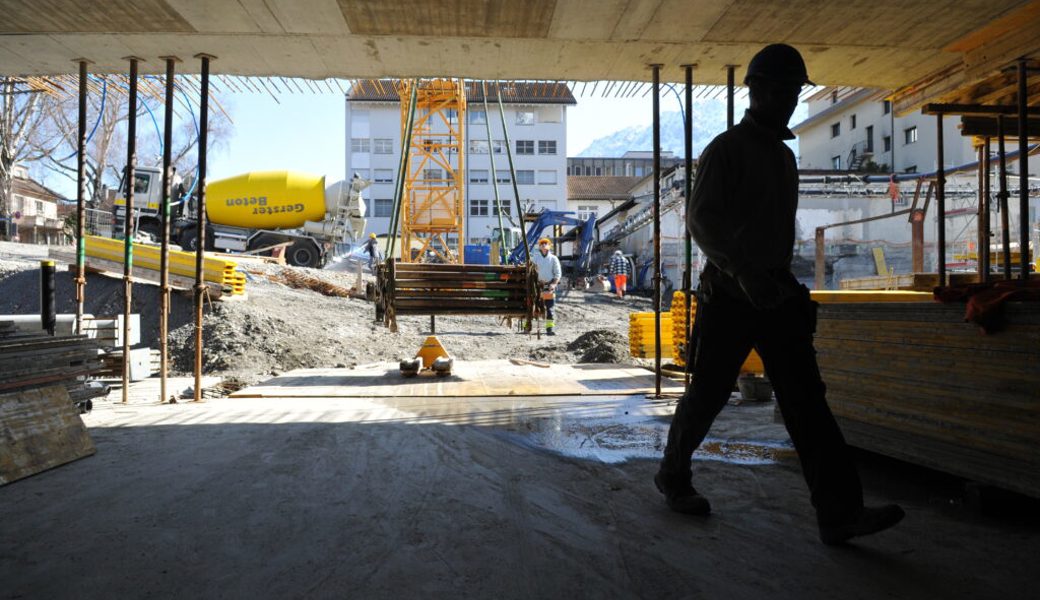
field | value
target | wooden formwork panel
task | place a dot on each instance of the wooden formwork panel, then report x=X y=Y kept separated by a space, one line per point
x=39 y=430
x=916 y=382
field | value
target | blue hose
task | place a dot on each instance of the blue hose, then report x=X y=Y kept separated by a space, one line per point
x=101 y=111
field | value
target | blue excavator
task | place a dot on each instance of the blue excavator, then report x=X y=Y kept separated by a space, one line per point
x=582 y=233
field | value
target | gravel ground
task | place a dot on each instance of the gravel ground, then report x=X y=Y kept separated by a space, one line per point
x=279 y=328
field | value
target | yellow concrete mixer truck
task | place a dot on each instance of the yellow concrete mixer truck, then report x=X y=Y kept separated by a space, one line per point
x=256 y=210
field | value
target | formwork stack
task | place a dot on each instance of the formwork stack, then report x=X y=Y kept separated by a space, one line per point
x=642 y=340
x=222 y=272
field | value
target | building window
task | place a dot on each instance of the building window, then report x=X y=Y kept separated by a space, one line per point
x=887 y=141
x=910 y=135
x=886 y=107
x=525 y=177
x=359 y=145
x=588 y=170
x=384 y=176
x=478 y=147
x=384 y=207
x=525 y=146
x=546 y=146
x=836 y=163
x=382 y=146
x=478 y=175
x=505 y=208
x=586 y=212
x=477 y=117
x=432 y=175
x=362 y=173
x=478 y=208
x=141 y=181
x=503 y=177
x=835 y=130
x=834 y=97
x=852 y=122
x=451 y=115
x=39 y=207
x=546 y=177
x=524 y=117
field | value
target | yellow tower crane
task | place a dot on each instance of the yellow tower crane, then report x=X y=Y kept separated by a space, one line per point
x=433 y=201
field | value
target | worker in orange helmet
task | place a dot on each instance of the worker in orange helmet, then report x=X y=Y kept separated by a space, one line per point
x=549 y=275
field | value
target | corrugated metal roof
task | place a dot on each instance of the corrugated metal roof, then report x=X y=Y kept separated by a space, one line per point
x=513 y=92
x=583 y=187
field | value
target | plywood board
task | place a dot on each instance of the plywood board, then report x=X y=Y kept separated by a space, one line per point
x=39 y=430
x=487 y=378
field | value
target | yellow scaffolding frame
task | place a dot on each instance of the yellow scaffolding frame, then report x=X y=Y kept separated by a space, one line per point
x=433 y=204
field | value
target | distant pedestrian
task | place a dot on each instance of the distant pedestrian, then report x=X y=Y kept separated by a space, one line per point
x=549 y=275
x=742 y=215
x=620 y=270
x=371 y=247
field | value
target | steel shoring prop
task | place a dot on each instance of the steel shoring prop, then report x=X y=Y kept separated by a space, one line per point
x=687 y=191
x=730 y=80
x=200 y=237
x=406 y=147
x=984 y=216
x=940 y=200
x=164 y=230
x=128 y=224
x=512 y=173
x=657 y=228
x=81 y=196
x=494 y=177
x=1002 y=201
x=1023 y=173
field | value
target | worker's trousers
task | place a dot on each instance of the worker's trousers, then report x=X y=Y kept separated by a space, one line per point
x=728 y=328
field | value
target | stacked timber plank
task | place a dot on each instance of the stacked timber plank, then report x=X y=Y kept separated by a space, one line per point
x=914 y=381
x=642 y=338
x=449 y=289
x=220 y=271
x=31 y=361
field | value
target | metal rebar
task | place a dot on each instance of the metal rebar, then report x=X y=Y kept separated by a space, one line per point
x=164 y=230
x=494 y=177
x=128 y=224
x=200 y=237
x=512 y=175
x=657 y=228
x=940 y=200
x=81 y=197
x=1023 y=172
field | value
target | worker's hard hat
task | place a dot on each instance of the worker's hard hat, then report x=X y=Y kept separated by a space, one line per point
x=372 y=235
x=545 y=241
x=778 y=62
x=617 y=253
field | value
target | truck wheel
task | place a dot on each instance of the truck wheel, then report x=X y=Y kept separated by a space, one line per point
x=303 y=254
x=189 y=240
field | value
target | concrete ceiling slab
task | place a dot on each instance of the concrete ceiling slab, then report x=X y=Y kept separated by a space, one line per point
x=866 y=43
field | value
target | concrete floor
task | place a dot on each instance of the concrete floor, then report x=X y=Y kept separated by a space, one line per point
x=479 y=497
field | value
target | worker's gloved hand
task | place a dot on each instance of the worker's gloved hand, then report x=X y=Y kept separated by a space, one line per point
x=761 y=290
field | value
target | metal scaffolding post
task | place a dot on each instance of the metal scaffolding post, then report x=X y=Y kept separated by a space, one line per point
x=731 y=77
x=985 y=212
x=200 y=249
x=128 y=223
x=687 y=192
x=1002 y=201
x=1023 y=172
x=657 y=229
x=940 y=200
x=164 y=230
x=81 y=196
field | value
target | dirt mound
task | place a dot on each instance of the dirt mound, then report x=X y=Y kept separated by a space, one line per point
x=601 y=346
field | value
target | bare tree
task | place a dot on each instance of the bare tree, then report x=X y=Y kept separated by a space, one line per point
x=20 y=125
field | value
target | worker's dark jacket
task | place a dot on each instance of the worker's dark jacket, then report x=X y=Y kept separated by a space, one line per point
x=372 y=247
x=742 y=211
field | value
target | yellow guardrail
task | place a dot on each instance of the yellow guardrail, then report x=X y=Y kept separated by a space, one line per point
x=216 y=270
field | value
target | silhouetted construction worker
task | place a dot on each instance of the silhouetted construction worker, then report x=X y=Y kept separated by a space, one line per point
x=742 y=215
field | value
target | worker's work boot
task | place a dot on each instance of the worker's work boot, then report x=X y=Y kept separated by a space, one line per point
x=549 y=331
x=682 y=498
x=866 y=522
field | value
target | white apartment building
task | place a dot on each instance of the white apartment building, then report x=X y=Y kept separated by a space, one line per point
x=849 y=130
x=536 y=121
x=34 y=211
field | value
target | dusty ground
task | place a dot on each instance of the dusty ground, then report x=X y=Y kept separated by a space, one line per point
x=280 y=328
